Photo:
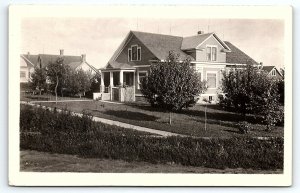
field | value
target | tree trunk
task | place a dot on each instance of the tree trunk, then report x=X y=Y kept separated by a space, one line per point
x=205 y=117
x=170 y=118
x=56 y=89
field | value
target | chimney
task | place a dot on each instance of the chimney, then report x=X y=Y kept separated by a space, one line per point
x=28 y=53
x=61 y=52
x=200 y=32
x=83 y=57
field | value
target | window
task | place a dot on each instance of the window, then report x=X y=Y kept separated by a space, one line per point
x=210 y=98
x=22 y=74
x=273 y=72
x=211 y=80
x=141 y=76
x=134 y=53
x=211 y=53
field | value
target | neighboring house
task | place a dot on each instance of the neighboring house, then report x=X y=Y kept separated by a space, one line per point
x=26 y=69
x=28 y=62
x=273 y=72
x=131 y=61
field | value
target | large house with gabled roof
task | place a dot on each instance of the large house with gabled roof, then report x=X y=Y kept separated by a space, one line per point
x=131 y=61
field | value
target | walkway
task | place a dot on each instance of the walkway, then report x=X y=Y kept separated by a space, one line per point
x=116 y=123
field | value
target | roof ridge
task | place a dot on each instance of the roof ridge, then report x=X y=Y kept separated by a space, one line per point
x=199 y=35
x=155 y=33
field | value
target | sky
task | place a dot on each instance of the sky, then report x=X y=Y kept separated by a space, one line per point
x=98 y=38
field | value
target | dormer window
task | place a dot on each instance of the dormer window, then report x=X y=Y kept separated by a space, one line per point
x=211 y=53
x=134 y=53
x=273 y=72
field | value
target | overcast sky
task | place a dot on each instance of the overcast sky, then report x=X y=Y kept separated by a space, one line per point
x=98 y=38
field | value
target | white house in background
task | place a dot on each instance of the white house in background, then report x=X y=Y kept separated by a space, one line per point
x=28 y=62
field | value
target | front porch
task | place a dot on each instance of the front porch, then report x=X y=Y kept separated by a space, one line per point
x=117 y=85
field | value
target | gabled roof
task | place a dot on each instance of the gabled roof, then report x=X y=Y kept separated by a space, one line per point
x=193 y=42
x=160 y=45
x=268 y=68
x=47 y=59
x=31 y=60
x=237 y=56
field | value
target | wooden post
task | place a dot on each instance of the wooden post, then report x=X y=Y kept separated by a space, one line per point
x=102 y=86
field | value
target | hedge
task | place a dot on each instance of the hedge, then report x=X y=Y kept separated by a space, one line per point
x=67 y=134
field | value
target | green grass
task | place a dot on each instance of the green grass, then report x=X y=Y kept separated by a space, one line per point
x=220 y=123
x=34 y=161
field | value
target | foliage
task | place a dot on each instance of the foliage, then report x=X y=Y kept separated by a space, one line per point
x=66 y=80
x=244 y=127
x=172 y=85
x=62 y=132
x=280 y=85
x=38 y=80
x=252 y=91
x=57 y=74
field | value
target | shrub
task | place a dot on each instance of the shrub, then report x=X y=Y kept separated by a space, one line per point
x=62 y=132
x=251 y=91
x=172 y=85
x=244 y=127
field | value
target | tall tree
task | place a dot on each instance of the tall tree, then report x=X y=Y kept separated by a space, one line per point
x=172 y=85
x=56 y=73
x=38 y=80
x=250 y=90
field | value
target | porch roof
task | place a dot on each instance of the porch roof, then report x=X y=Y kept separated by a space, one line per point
x=113 y=65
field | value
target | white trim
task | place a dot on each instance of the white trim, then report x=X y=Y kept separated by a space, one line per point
x=141 y=66
x=273 y=70
x=213 y=72
x=217 y=39
x=125 y=41
x=138 y=77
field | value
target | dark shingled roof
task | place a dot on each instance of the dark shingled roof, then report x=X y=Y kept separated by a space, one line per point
x=160 y=45
x=268 y=68
x=118 y=65
x=193 y=41
x=46 y=59
x=236 y=56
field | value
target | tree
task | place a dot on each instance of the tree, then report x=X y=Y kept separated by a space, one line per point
x=56 y=73
x=172 y=85
x=250 y=90
x=84 y=79
x=38 y=80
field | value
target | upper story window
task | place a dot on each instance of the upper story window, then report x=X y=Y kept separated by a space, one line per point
x=273 y=72
x=211 y=53
x=134 y=53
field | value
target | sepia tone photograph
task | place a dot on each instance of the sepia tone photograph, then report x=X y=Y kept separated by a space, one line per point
x=104 y=94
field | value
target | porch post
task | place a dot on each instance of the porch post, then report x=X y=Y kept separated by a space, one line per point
x=111 y=83
x=121 y=77
x=134 y=85
x=102 y=89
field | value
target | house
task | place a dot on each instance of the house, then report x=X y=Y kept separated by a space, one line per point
x=26 y=67
x=28 y=62
x=131 y=61
x=273 y=72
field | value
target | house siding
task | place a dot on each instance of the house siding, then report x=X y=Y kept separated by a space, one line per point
x=146 y=55
x=201 y=55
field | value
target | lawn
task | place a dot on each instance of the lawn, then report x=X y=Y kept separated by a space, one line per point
x=35 y=161
x=191 y=121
